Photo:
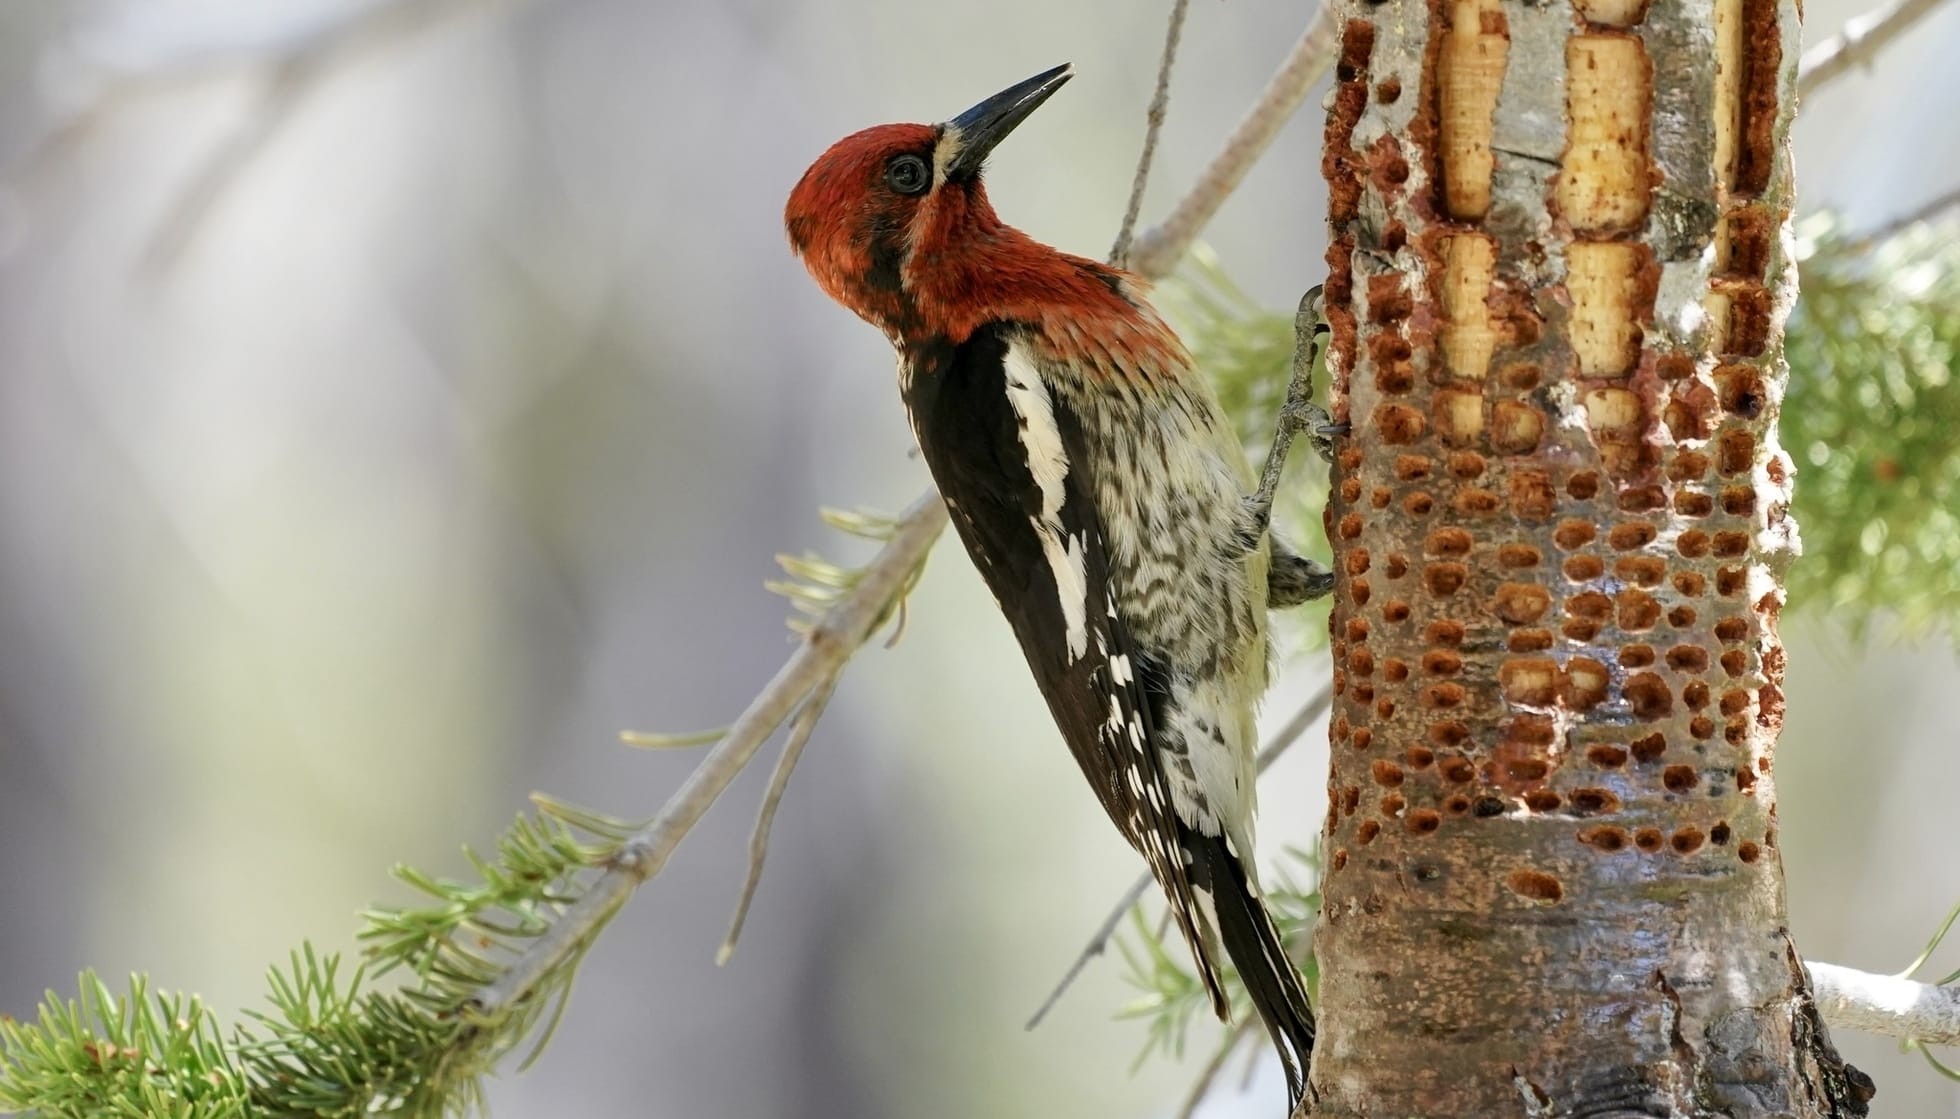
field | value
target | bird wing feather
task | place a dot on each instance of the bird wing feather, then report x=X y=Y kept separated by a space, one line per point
x=1009 y=458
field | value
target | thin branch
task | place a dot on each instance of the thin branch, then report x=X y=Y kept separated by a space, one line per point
x=1159 y=248
x=285 y=87
x=815 y=663
x=1296 y=727
x=1931 y=210
x=1098 y=943
x=1886 y=1005
x=292 y=74
x=1208 y=1075
x=289 y=69
x=800 y=727
x=1253 y=1054
x=1285 y=737
x=1160 y=103
x=1861 y=40
x=317 y=44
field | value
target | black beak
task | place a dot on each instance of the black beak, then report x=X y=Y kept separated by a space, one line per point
x=989 y=122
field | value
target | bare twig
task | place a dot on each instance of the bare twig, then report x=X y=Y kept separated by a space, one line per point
x=1932 y=210
x=292 y=74
x=1160 y=102
x=1886 y=1005
x=800 y=727
x=1098 y=943
x=1253 y=1054
x=1216 y=1064
x=305 y=43
x=815 y=663
x=1285 y=737
x=1862 y=38
x=285 y=86
x=288 y=69
x=1159 y=248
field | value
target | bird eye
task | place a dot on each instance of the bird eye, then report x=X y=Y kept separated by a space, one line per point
x=907 y=174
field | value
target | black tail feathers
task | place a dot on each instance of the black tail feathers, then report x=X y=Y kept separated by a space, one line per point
x=1253 y=944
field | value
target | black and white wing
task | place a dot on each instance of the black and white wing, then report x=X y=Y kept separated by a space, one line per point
x=1008 y=456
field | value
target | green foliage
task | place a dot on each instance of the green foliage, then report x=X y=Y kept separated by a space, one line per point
x=816 y=584
x=1171 y=994
x=331 y=1042
x=136 y=1056
x=1872 y=420
x=1912 y=1044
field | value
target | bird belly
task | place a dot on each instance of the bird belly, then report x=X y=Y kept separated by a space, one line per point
x=1203 y=747
x=1196 y=602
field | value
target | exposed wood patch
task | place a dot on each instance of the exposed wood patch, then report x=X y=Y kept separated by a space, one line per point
x=1606 y=178
x=1467 y=336
x=1470 y=73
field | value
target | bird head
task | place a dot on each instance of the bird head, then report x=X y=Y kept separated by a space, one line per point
x=893 y=221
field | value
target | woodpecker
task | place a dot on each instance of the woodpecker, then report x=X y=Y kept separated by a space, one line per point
x=1102 y=494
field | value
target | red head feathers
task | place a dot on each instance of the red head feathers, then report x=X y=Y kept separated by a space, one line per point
x=894 y=223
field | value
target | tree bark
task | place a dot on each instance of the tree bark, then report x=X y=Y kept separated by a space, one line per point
x=1559 y=275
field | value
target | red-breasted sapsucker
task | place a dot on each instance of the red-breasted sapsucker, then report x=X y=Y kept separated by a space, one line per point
x=1103 y=496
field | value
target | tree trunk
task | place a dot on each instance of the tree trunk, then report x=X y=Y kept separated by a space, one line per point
x=1560 y=271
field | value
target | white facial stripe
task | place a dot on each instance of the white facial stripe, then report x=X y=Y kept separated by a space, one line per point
x=1041 y=440
x=944 y=152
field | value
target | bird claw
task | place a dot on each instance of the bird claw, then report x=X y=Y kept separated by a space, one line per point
x=1292 y=580
x=1322 y=432
x=1301 y=414
x=1298 y=415
x=1310 y=308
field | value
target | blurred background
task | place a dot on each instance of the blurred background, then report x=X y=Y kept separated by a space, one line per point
x=397 y=400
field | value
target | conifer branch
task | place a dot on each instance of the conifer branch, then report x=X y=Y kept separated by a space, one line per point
x=490 y=962
x=802 y=724
x=815 y=664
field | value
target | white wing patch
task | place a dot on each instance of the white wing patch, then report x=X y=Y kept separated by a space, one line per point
x=1207 y=913
x=1119 y=670
x=1041 y=440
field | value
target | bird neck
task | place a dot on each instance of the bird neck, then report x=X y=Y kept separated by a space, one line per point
x=995 y=273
